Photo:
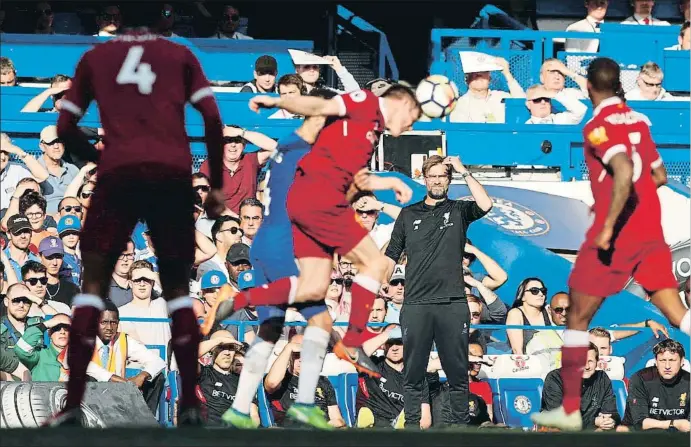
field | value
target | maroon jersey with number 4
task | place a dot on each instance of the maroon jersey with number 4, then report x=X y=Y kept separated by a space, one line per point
x=141 y=83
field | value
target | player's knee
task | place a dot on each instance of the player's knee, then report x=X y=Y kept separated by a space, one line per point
x=376 y=266
x=312 y=291
x=270 y=330
x=322 y=320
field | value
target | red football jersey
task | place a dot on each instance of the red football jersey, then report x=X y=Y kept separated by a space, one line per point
x=141 y=83
x=616 y=128
x=345 y=146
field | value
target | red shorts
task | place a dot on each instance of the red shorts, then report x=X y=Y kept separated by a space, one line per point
x=596 y=274
x=323 y=221
x=161 y=196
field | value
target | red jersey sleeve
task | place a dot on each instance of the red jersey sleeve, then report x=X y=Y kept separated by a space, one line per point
x=359 y=105
x=196 y=84
x=81 y=93
x=607 y=140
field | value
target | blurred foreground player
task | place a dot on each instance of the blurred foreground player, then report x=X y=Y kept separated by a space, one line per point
x=626 y=237
x=141 y=83
x=323 y=222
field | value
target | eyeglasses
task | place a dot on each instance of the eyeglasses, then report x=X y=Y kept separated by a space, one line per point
x=204 y=188
x=310 y=67
x=437 y=177
x=20 y=232
x=33 y=281
x=149 y=281
x=109 y=322
x=344 y=265
x=233 y=230
x=126 y=256
x=86 y=194
x=70 y=208
x=475 y=314
x=367 y=213
x=560 y=310
x=538 y=290
x=397 y=282
x=20 y=300
x=110 y=17
x=35 y=215
x=230 y=140
x=541 y=99
x=652 y=84
x=337 y=281
x=51 y=143
x=231 y=17
x=61 y=326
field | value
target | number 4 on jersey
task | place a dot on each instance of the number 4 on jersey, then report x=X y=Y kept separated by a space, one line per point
x=133 y=71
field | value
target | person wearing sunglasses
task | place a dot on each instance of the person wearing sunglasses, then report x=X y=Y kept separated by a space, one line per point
x=17 y=250
x=120 y=288
x=109 y=21
x=39 y=359
x=649 y=85
x=225 y=233
x=528 y=309
x=334 y=296
x=228 y=25
x=559 y=308
x=539 y=103
x=60 y=287
x=70 y=206
x=166 y=21
x=12 y=172
x=61 y=173
x=35 y=277
x=58 y=85
x=478 y=336
x=367 y=209
x=44 y=19
x=396 y=293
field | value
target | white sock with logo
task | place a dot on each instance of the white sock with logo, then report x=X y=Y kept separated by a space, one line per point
x=256 y=360
x=315 y=340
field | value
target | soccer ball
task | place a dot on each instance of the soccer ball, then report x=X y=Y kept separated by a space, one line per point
x=437 y=95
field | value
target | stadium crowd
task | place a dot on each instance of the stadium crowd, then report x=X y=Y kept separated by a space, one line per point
x=45 y=202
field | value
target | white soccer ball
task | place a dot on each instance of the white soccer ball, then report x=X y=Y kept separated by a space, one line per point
x=437 y=95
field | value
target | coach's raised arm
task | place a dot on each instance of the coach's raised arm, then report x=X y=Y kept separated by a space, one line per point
x=433 y=235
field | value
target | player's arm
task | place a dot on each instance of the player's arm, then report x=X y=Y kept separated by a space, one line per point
x=659 y=172
x=267 y=145
x=622 y=174
x=300 y=105
x=72 y=108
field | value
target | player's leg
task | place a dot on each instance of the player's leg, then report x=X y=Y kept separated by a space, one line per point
x=667 y=300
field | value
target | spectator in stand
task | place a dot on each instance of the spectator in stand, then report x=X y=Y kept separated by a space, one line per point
x=559 y=308
x=480 y=104
x=288 y=85
x=684 y=39
x=308 y=66
x=228 y=25
x=659 y=395
x=649 y=85
x=240 y=169
x=684 y=7
x=61 y=173
x=12 y=172
x=334 y=297
x=35 y=277
x=597 y=10
x=251 y=217
x=553 y=74
x=218 y=382
x=33 y=206
x=109 y=21
x=396 y=294
x=166 y=21
x=115 y=351
x=70 y=206
x=281 y=384
x=493 y=309
x=44 y=19
x=481 y=393
x=202 y=186
x=539 y=103
x=225 y=233
x=120 y=286
x=24 y=186
x=210 y=283
x=68 y=230
x=237 y=262
x=8 y=74
x=17 y=251
x=528 y=309
x=367 y=210
x=598 y=403
x=477 y=336
x=687 y=293
x=603 y=339
x=58 y=87
x=7 y=275
x=84 y=195
x=643 y=14
x=59 y=288
x=265 y=71
x=145 y=305
x=40 y=360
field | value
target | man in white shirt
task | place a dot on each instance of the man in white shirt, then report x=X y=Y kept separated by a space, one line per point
x=480 y=104
x=597 y=9
x=225 y=233
x=109 y=21
x=11 y=173
x=553 y=74
x=643 y=14
x=367 y=209
x=684 y=38
x=649 y=85
x=227 y=28
x=396 y=291
x=308 y=67
x=539 y=103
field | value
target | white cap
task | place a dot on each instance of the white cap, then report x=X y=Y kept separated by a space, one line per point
x=304 y=58
x=474 y=62
x=398 y=273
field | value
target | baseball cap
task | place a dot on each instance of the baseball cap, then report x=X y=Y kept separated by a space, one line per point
x=213 y=279
x=69 y=223
x=246 y=279
x=17 y=223
x=379 y=86
x=49 y=134
x=398 y=273
x=51 y=245
x=238 y=252
x=395 y=336
x=266 y=64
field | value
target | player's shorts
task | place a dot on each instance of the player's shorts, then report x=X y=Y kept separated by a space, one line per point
x=323 y=220
x=598 y=274
x=277 y=314
x=162 y=196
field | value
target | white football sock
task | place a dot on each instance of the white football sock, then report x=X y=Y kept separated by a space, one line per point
x=252 y=374
x=315 y=340
x=685 y=325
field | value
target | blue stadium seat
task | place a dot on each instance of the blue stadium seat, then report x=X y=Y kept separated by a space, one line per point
x=515 y=399
x=265 y=414
x=619 y=388
x=350 y=384
x=339 y=385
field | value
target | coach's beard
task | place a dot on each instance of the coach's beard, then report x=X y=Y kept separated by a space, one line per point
x=437 y=193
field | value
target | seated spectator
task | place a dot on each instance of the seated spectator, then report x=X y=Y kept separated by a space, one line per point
x=115 y=351
x=218 y=382
x=379 y=402
x=559 y=308
x=598 y=403
x=228 y=25
x=480 y=398
x=33 y=206
x=649 y=85
x=553 y=74
x=659 y=395
x=109 y=21
x=145 y=305
x=528 y=309
x=396 y=294
x=166 y=21
x=225 y=233
x=308 y=67
x=539 y=102
x=493 y=309
x=210 y=283
x=70 y=206
x=61 y=173
x=597 y=10
x=85 y=176
x=281 y=384
x=58 y=87
x=84 y=193
x=476 y=335
x=684 y=39
x=251 y=217
x=11 y=173
x=59 y=288
x=334 y=294
x=68 y=230
x=288 y=85
x=643 y=14
x=367 y=209
x=44 y=19
x=237 y=261
x=202 y=186
x=265 y=71
x=481 y=104
x=35 y=277
x=120 y=287
x=17 y=251
x=8 y=74
x=42 y=361
x=377 y=315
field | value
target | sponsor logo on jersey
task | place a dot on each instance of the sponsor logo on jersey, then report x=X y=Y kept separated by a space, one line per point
x=598 y=136
x=682 y=400
x=516 y=218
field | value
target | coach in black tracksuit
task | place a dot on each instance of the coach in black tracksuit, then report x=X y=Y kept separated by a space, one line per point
x=433 y=235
